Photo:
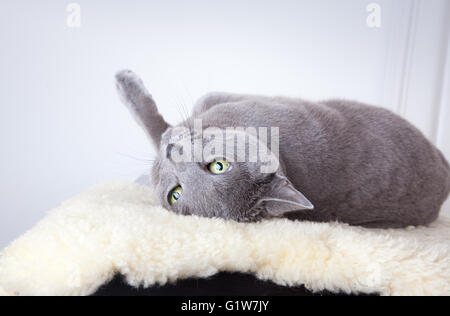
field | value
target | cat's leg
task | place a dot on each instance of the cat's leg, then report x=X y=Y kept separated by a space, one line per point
x=405 y=218
x=141 y=104
x=214 y=98
x=383 y=224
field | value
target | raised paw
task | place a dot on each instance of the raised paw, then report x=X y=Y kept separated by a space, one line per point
x=132 y=90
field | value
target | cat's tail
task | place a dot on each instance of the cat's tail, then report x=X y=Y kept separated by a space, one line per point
x=141 y=104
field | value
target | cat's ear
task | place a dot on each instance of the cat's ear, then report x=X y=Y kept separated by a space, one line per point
x=140 y=103
x=283 y=198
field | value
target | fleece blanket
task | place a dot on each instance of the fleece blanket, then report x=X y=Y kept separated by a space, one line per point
x=117 y=228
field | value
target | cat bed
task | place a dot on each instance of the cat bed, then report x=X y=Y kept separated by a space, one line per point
x=117 y=230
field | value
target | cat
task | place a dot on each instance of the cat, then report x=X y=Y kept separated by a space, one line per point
x=339 y=161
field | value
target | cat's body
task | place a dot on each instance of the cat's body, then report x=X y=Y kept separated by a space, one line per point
x=357 y=164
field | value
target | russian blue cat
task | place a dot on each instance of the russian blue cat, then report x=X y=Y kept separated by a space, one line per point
x=338 y=161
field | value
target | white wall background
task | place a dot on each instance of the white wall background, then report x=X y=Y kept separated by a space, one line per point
x=62 y=128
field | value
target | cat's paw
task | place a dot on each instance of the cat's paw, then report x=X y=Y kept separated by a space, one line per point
x=128 y=82
x=132 y=90
x=127 y=78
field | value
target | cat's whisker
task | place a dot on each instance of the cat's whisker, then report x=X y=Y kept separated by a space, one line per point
x=175 y=104
x=184 y=109
x=191 y=99
x=146 y=161
x=182 y=112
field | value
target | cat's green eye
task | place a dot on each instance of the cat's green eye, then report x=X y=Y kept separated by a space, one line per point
x=175 y=195
x=219 y=166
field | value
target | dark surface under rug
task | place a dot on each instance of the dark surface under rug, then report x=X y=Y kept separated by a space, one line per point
x=222 y=284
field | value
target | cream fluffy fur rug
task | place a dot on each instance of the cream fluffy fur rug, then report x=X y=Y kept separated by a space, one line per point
x=115 y=228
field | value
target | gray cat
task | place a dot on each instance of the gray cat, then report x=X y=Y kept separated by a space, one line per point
x=356 y=164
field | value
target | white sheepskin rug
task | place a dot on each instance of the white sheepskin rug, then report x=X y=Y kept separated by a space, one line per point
x=116 y=228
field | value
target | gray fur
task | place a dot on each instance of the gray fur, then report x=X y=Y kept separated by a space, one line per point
x=136 y=97
x=357 y=164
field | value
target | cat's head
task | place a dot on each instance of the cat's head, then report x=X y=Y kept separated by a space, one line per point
x=195 y=173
